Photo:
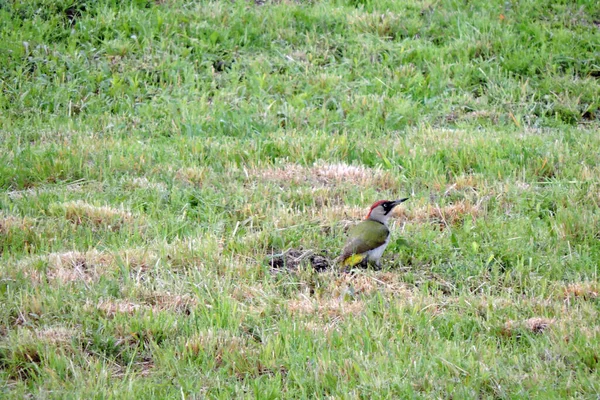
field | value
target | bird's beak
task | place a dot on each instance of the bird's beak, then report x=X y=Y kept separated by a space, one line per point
x=396 y=202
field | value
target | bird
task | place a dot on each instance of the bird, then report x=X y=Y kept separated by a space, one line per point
x=368 y=239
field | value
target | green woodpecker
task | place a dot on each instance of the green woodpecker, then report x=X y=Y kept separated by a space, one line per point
x=367 y=240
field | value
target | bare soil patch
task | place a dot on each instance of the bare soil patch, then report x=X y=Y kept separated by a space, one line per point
x=292 y=259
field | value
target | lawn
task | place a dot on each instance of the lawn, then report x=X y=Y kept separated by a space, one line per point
x=159 y=160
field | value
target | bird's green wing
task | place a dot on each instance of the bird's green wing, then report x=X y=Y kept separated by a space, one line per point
x=365 y=236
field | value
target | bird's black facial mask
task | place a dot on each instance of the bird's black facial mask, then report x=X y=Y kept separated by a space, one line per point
x=388 y=206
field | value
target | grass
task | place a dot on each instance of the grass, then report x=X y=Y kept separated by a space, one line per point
x=153 y=155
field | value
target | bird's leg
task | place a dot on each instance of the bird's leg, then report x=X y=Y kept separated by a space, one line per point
x=364 y=263
x=377 y=265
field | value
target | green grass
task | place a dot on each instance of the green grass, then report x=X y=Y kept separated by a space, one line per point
x=153 y=154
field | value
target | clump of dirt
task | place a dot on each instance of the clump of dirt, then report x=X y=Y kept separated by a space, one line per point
x=292 y=259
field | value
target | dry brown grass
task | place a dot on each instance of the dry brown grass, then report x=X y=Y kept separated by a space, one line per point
x=144 y=183
x=332 y=308
x=137 y=259
x=211 y=337
x=248 y=293
x=384 y=25
x=57 y=334
x=321 y=327
x=88 y=266
x=162 y=301
x=485 y=114
x=342 y=212
x=448 y=137
x=468 y=182
x=370 y=283
x=291 y=173
x=322 y=174
x=326 y=216
x=328 y=174
x=240 y=355
x=590 y=173
x=80 y=212
x=445 y=216
x=52 y=335
x=78 y=266
x=11 y=222
x=77 y=186
x=192 y=253
x=192 y=175
x=584 y=290
x=23 y=350
x=157 y=302
x=110 y=308
x=139 y=368
x=539 y=325
x=219 y=343
x=592 y=332
x=533 y=325
x=473 y=115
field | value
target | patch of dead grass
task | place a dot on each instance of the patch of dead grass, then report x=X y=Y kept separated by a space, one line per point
x=325 y=308
x=157 y=302
x=248 y=293
x=86 y=266
x=358 y=175
x=11 y=222
x=77 y=266
x=193 y=252
x=143 y=183
x=56 y=334
x=321 y=327
x=215 y=338
x=524 y=186
x=80 y=212
x=140 y=259
x=473 y=115
x=386 y=25
x=463 y=183
x=323 y=174
x=291 y=173
x=140 y=368
x=590 y=173
x=342 y=215
x=77 y=186
x=532 y=325
x=191 y=175
x=538 y=324
x=221 y=344
x=445 y=216
x=110 y=308
x=239 y=355
x=342 y=212
x=161 y=301
x=583 y=290
x=592 y=332
x=24 y=349
x=369 y=283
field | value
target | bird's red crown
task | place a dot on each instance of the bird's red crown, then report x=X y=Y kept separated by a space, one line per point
x=377 y=203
